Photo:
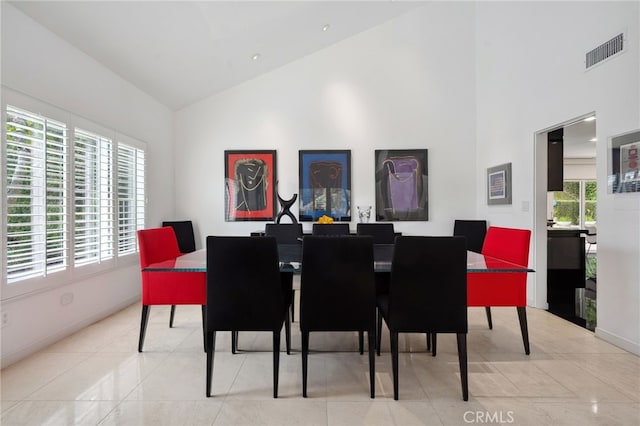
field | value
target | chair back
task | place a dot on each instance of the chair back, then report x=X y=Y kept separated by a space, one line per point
x=473 y=230
x=382 y=233
x=156 y=245
x=337 y=288
x=284 y=233
x=428 y=289
x=243 y=284
x=330 y=229
x=184 y=234
x=508 y=244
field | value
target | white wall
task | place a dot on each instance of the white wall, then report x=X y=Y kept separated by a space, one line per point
x=530 y=62
x=579 y=169
x=400 y=85
x=41 y=65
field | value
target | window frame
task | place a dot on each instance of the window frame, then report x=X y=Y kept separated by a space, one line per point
x=139 y=221
x=90 y=268
x=72 y=272
x=582 y=201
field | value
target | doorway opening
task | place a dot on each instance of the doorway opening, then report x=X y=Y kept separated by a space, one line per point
x=566 y=220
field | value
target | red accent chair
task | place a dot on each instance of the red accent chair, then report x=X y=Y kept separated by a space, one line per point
x=186 y=242
x=166 y=288
x=503 y=289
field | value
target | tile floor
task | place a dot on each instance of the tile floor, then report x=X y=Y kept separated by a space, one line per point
x=97 y=377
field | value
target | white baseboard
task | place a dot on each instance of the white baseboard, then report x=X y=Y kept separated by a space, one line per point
x=621 y=342
x=10 y=358
x=532 y=304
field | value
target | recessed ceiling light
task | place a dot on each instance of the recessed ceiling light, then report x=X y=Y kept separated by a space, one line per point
x=590 y=118
x=325 y=27
x=255 y=56
x=593 y=140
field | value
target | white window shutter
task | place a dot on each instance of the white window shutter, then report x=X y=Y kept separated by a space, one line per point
x=131 y=162
x=36 y=173
x=93 y=198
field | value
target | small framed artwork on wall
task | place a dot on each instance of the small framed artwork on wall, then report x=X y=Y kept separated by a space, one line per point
x=402 y=185
x=624 y=163
x=250 y=178
x=325 y=185
x=499 y=184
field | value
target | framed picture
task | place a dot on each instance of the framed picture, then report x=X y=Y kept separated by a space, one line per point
x=499 y=184
x=325 y=185
x=624 y=166
x=250 y=178
x=402 y=185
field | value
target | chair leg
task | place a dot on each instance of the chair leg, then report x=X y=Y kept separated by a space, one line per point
x=143 y=326
x=305 y=355
x=379 y=333
x=487 y=309
x=361 y=342
x=462 y=359
x=276 y=361
x=211 y=349
x=204 y=328
x=522 y=316
x=434 y=343
x=293 y=303
x=371 y=335
x=172 y=315
x=287 y=332
x=394 y=362
x=234 y=341
x=428 y=341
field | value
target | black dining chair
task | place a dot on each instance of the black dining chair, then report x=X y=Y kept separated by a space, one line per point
x=337 y=293
x=473 y=230
x=184 y=234
x=382 y=233
x=427 y=294
x=286 y=233
x=244 y=293
x=330 y=229
x=187 y=244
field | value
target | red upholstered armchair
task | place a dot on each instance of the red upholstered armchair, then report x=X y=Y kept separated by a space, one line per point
x=503 y=289
x=166 y=288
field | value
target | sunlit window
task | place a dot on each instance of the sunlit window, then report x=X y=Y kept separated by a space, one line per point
x=64 y=186
x=575 y=206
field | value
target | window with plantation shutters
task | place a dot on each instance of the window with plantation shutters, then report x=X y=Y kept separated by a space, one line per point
x=36 y=195
x=131 y=162
x=73 y=197
x=93 y=198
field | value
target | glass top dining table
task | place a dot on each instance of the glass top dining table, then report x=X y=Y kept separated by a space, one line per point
x=290 y=256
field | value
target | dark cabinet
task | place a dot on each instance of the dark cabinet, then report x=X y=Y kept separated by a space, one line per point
x=565 y=272
x=555 y=160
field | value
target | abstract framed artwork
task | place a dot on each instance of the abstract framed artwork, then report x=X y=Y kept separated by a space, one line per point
x=499 y=184
x=402 y=191
x=250 y=178
x=624 y=163
x=325 y=184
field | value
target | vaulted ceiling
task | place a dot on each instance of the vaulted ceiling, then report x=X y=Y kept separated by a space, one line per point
x=180 y=52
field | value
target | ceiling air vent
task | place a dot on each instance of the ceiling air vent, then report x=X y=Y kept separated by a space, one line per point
x=605 y=51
